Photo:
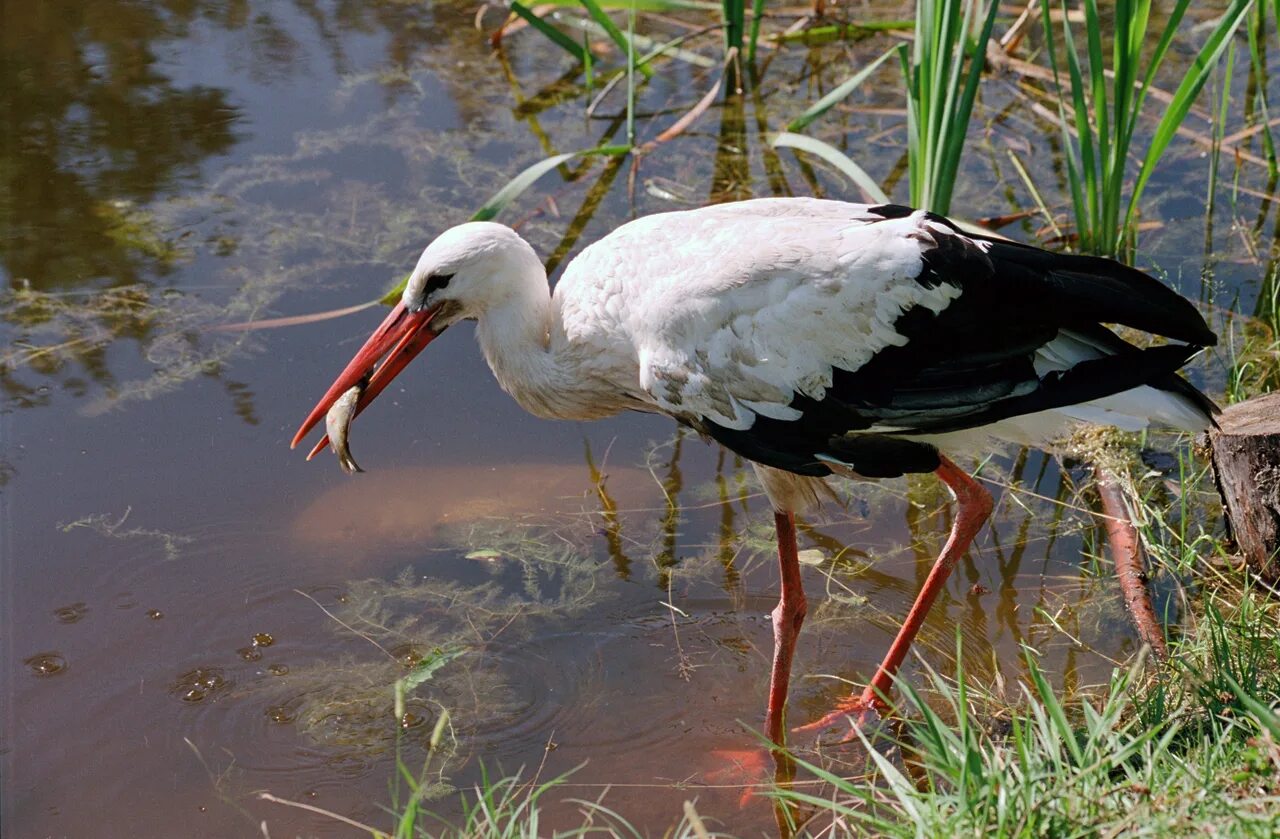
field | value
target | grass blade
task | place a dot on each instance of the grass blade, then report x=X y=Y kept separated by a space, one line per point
x=734 y=12
x=846 y=87
x=1266 y=717
x=757 y=12
x=555 y=35
x=641 y=5
x=942 y=77
x=517 y=185
x=957 y=122
x=615 y=34
x=836 y=158
x=1184 y=97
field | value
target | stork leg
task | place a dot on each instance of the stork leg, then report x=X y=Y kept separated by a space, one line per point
x=973 y=507
x=788 y=615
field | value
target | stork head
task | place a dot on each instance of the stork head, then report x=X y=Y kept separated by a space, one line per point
x=468 y=270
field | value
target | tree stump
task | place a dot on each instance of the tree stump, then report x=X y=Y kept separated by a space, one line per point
x=1246 y=465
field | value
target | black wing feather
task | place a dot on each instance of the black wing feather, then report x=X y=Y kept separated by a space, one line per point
x=972 y=363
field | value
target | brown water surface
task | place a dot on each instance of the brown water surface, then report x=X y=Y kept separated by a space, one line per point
x=192 y=613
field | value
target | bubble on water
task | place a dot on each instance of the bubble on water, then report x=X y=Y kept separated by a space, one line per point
x=407 y=654
x=70 y=614
x=155 y=614
x=278 y=669
x=411 y=720
x=349 y=765
x=249 y=653
x=46 y=664
x=199 y=684
x=263 y=639
x=281 y=714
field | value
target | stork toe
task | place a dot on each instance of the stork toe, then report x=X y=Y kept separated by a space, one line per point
x=857 y=711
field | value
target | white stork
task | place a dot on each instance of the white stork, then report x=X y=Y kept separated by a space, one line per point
x=813 y=338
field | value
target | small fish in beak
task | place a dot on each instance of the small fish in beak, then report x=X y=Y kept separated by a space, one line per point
x=337 y=422
x=389 y=350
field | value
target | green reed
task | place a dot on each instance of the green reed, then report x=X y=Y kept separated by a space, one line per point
x=942 y=70
x=1100 y=108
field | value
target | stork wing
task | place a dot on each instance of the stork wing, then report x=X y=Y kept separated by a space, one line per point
x=787 y=332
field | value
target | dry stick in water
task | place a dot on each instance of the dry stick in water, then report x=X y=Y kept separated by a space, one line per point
x=1126 y=552
x=681 y=125
x=294 y=320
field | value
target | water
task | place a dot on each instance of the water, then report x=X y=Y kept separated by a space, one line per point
x=192 y=614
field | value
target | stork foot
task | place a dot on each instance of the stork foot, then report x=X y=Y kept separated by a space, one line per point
x=857 y=711
x=749 y=769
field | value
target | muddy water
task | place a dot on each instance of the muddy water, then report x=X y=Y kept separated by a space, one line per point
x=192 y=614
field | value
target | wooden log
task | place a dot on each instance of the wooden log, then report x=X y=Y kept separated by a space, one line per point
x=1246 y=466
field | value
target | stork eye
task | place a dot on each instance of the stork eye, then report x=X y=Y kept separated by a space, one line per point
x=435 y=282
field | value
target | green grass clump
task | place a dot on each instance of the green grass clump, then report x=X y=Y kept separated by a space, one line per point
x=1106 y=104
x=942 y=70
x=1189 y=749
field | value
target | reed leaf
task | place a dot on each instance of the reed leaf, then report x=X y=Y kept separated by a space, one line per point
x=836 y=158
x=1108 y=107
x=615 y=34
x=942 y=72
x=555 y=35
x=757 y=13
x=826 y=33
x=1258 y=65
x=838 y=94
x=640 y=5
x=734 y=14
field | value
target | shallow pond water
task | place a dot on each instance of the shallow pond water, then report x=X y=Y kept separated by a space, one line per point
x=193 y=614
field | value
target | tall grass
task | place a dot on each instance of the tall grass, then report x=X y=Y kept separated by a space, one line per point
x=1257 y=31
x=942 y=70
x=734 y=16
x=1100 y=124
x=737 y=35
x=1188 y=752
x=511 y=807
x=1186 y=747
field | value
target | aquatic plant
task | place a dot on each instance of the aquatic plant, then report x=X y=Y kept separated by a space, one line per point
x=1100 y=108
x=942 y=70
x=1181 y=747
x=1256 y=104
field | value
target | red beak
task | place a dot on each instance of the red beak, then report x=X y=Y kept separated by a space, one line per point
x=400 y=338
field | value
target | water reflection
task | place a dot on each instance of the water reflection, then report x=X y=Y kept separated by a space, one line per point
x=95 y=129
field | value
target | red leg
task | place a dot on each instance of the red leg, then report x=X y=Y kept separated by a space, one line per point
x=973 y=507
x=788 y=615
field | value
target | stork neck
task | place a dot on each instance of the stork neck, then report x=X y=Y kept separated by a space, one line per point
x=523 y=341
